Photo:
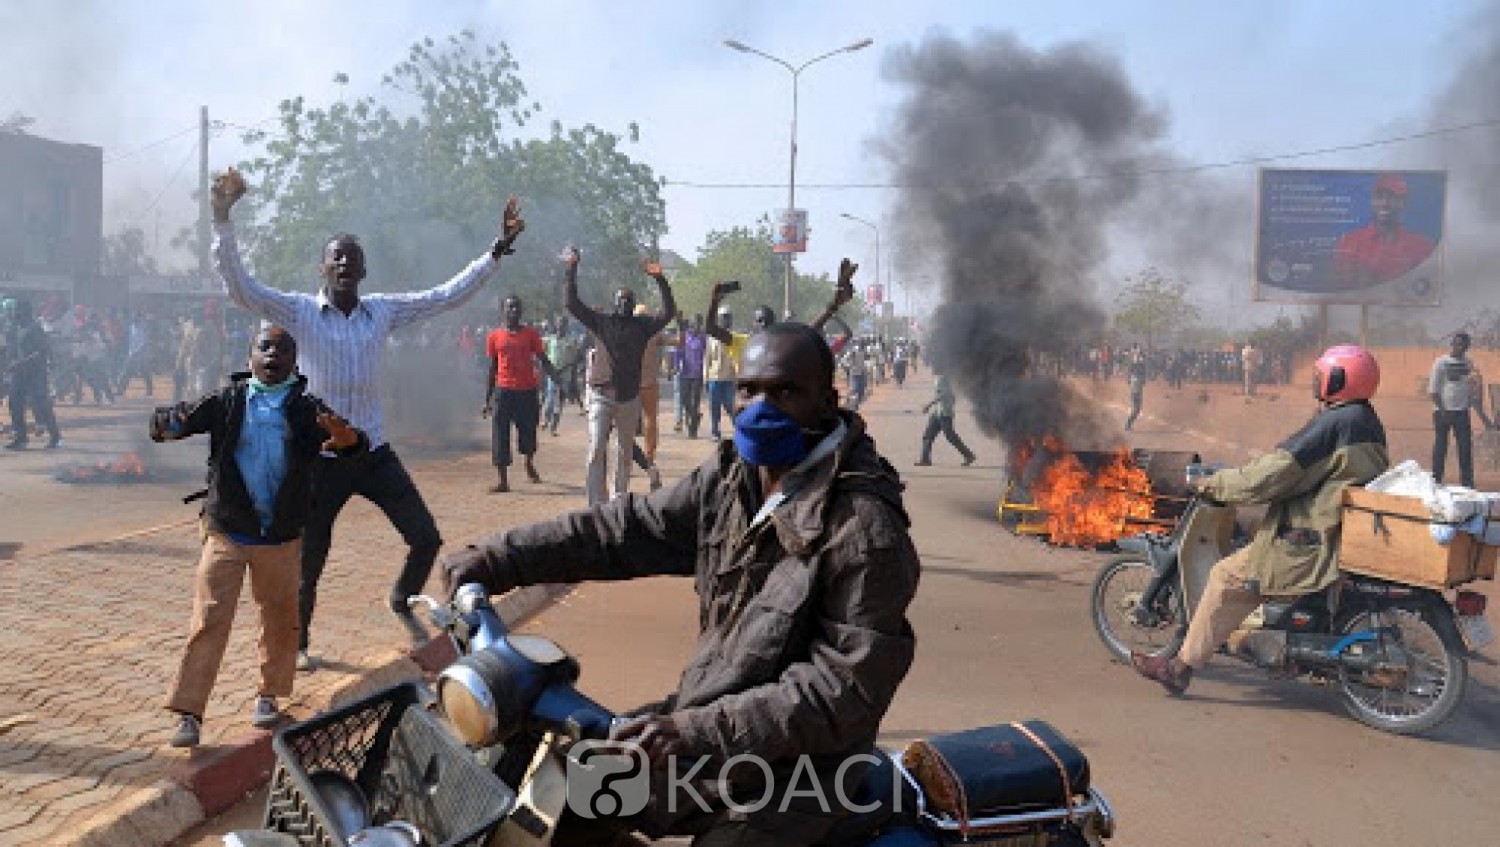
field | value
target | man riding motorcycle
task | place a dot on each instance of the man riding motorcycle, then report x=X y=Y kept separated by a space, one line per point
x=796 y=536
x=1294 y=551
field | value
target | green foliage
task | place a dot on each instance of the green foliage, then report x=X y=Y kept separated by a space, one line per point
x=1152 y=305
x=125 y=253
x=421 y=174
x=744 y=253
x=1284 y=334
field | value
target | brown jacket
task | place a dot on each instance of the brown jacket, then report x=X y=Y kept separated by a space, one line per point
x=803 y=637
x=1295 y=550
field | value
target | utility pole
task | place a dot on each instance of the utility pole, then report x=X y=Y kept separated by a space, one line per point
x=203 y=228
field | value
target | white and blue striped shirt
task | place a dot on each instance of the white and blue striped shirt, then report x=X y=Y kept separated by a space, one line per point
x=341 y=355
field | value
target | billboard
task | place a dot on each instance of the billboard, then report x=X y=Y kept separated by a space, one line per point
x=1325 y=236
x=791 y=231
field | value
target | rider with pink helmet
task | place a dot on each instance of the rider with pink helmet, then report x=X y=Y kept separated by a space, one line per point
x=1302 y=481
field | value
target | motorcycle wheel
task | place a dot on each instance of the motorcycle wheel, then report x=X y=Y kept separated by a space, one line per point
x=1435 y=680
x=1115 y=601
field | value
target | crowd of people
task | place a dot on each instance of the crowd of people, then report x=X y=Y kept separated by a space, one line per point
x=51 y=353
x=305 y=429
x=1233 y=364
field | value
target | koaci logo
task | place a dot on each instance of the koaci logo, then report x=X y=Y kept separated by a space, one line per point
x=607 y=779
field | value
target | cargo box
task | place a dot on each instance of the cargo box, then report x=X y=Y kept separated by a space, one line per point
x=1388 y=536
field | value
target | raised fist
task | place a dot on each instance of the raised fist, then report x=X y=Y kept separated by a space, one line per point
x=227 y=189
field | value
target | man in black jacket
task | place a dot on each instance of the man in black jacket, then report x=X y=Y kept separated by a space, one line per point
x=796 y=534
x=29 y=380
x=265 y=432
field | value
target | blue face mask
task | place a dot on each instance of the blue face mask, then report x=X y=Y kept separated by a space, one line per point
x=765 y=435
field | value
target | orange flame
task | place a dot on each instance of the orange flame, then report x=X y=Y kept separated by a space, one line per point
x=1086 y=509
x=128 y=465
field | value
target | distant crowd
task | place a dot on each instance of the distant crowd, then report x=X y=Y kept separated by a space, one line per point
x=1230 y=364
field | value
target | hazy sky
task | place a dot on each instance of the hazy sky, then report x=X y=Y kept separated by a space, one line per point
x=1236 y=79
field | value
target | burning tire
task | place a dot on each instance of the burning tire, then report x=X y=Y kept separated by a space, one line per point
x=1123 y=623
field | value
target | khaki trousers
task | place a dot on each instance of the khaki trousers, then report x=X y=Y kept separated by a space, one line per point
x=274 y=574
x=650 y=405
x=1225 y=604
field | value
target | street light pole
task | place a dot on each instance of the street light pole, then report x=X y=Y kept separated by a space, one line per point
x=791 y=197
x=871 y=225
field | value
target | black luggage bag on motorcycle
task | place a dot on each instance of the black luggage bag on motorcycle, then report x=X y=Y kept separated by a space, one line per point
x=996 y=770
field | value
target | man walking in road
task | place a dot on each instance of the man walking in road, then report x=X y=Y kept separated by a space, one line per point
x=514 y=352
x=563 y=353
x=1455 y=387
x=1250 y=361
x=342 y=338
x=940 y=420
x=30 y=384
x=688 y=362
x=614 y=387
x=1137 y=388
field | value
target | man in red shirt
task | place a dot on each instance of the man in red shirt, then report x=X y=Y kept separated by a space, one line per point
x=514 y=352
x=1383 y=250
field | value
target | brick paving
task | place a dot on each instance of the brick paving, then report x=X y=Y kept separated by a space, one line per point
x=90 y=637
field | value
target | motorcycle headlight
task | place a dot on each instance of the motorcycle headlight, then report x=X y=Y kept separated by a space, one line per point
x=469 y=704
x=486 y=695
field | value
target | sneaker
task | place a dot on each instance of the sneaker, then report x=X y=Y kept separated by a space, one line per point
x=188 y=730
x=17 y=444
x=54 y=443
x=266 y=714
x=968 y=460
x=305 y=661
x=924 y=463
x=655 y=476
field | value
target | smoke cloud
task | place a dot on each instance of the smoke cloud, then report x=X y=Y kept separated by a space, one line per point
x=1015 y=161
x=1473 y=182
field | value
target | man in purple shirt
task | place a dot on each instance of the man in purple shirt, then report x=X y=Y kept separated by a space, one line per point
x=688 y=363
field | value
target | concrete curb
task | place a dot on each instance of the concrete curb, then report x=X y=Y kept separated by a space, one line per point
x=201 y=789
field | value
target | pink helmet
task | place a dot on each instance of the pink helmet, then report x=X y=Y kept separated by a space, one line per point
x=1347 y=372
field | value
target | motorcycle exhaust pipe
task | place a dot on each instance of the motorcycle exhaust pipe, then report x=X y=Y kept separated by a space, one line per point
x=1357 y=651
x=1276 y=649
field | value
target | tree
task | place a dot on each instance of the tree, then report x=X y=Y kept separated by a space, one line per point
x=421 y=173
x=125 y=254
x=1152 y=304
x=744 y=253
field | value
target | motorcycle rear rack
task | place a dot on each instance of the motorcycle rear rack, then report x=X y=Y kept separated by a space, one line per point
x=1095 y=807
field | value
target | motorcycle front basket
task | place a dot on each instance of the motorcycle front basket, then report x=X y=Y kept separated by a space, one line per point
x=406 y=762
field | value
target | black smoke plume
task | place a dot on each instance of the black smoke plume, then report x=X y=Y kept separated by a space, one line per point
x=1012 y=162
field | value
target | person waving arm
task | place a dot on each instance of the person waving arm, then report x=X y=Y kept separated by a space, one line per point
x=279 y=307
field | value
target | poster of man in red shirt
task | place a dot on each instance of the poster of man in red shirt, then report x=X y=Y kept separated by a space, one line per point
x=1383 y=249
x=1359 y=237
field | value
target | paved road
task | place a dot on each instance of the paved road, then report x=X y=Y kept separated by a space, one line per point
x=1004 y=633
x=1002 y=627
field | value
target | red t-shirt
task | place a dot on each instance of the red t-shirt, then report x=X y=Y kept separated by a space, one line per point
x=1367 y=256
x=516 y=352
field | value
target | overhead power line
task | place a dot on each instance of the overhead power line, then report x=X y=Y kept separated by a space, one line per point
x=1142 y=172
x=192 y=151
x=154 y=144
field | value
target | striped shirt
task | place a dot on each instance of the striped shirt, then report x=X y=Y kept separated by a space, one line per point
x=341 y=355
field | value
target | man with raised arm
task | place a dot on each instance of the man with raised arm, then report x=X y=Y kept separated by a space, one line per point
x=342 y=337
x=615 y=380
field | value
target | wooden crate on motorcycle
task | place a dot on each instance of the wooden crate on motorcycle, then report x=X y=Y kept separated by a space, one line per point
x=1388 y=536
